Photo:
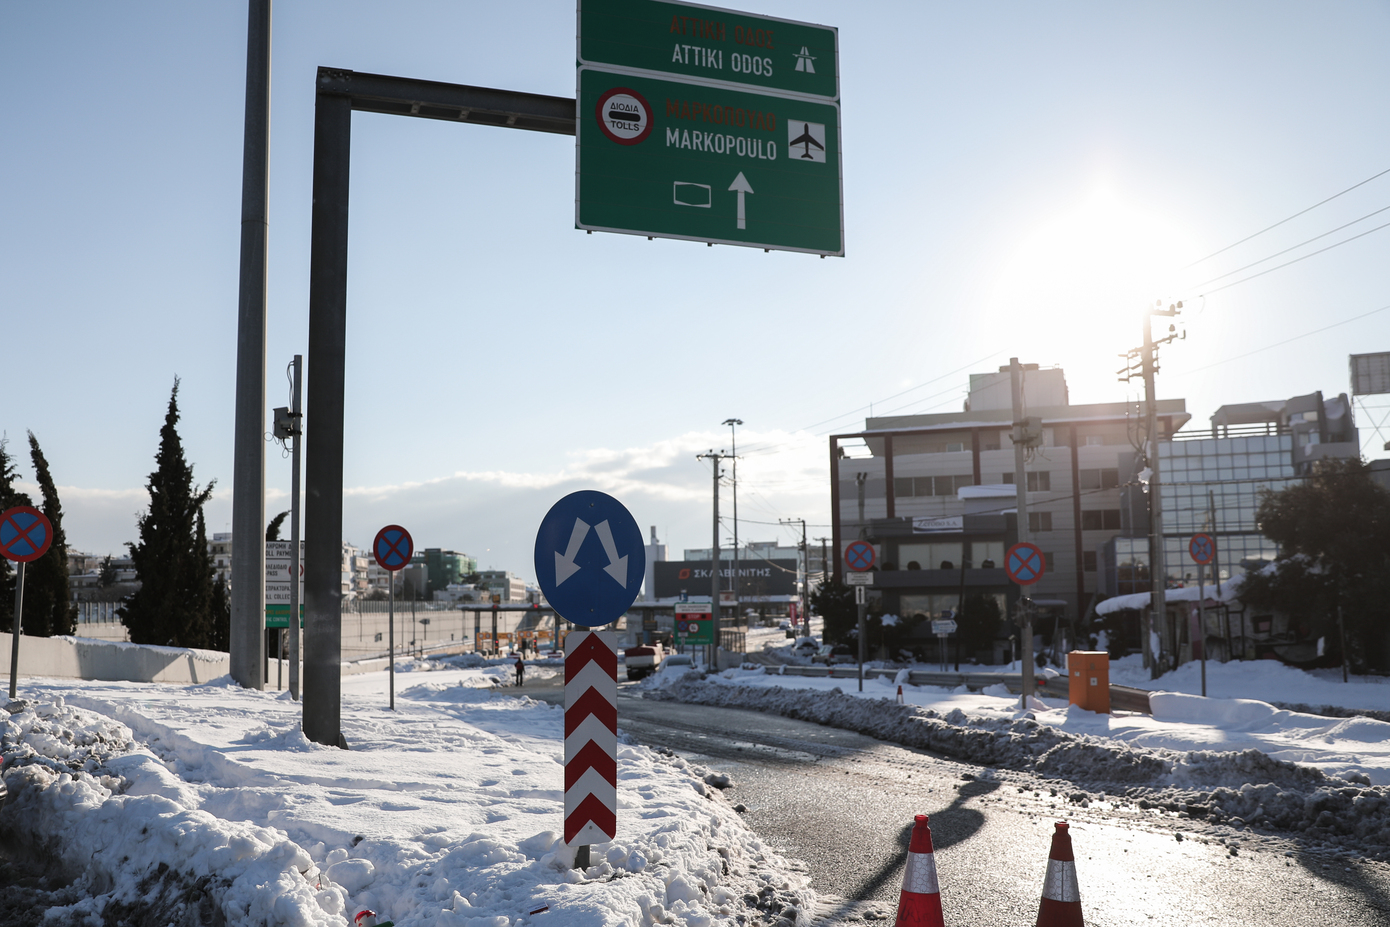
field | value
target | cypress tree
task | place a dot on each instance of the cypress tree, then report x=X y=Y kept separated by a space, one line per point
x=171 y=558
x=46 y=579
x=9 y=498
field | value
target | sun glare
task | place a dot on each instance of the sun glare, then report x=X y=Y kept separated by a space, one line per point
x=1075 y=285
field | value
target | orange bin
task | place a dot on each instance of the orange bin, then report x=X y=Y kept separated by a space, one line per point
x=1088 y=678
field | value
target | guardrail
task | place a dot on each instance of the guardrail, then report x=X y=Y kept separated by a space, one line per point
x=1123 y=698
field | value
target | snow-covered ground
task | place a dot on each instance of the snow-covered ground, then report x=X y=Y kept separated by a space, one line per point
x=1232 y=757
x=169 y=802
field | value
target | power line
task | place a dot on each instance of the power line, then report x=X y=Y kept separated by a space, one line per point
x=1289 y=219
x=1295 y=260
x=1268 y=347
x=756 y=448
x=1294 y=247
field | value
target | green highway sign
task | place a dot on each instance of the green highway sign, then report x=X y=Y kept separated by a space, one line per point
x=671 y=158
x=278 y=616
x=707 y=124
x=710 y=44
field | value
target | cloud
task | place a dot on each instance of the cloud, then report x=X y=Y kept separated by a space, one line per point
x=493 y=514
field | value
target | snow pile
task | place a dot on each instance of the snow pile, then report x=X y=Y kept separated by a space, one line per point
x=83 y=792
x=1319 y=785
x=445 y=812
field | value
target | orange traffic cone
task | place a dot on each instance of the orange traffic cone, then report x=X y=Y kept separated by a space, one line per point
x=1061 y=897
x=900 y=695
x=919 y=904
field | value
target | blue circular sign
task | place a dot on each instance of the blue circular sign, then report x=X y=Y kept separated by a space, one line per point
x=1202 y=548
x=859 y=556
x=1024 y=563
x=590 y=558
x=393 y=548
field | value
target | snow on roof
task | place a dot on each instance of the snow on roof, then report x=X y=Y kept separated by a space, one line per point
x=995 y=491
x=1228 y=591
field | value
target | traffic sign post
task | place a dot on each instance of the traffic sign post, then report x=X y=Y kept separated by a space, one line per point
x=392 y=548
x=708 y=125
x=859 y=557
x=1202 y=549
x=694 y=623
x=943 y=628
x=590 y=558
x=25 y=536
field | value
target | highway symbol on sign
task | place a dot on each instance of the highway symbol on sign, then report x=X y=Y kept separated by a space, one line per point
x=393 y=548
x=859 y=556
x=590 y=558
x=25 y=534
x=1202 y=548
x=1024 y=563
x=812 y=136
x=804 y=59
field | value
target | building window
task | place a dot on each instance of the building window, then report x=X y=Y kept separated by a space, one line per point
x=1039 y=521
x=1088 y=561
x=906 y=487
x=1047 y=561
x=1100 y=520
x=1038 y=480
x=1099 y=479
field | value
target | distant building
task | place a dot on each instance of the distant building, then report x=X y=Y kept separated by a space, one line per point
x=1211 y=484
x=510 y=587
x=445 y=567
x=924 y=490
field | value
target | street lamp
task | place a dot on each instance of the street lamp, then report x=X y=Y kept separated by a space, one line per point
x=733 y=424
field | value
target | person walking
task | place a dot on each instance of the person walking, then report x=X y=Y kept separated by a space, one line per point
x=520 y=670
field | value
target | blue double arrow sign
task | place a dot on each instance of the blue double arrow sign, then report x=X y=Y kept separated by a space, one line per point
x=590 y=584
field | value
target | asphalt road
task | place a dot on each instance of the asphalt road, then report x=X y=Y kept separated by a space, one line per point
x=843 y=804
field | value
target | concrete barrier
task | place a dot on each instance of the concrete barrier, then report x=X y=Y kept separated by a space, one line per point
x=85 y=658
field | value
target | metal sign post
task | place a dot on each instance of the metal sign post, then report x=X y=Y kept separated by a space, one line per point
x=1202 y=549
x=859 y=557
x=392 y=547
x=1025 y=564
x=25 y=536
x=943 y=628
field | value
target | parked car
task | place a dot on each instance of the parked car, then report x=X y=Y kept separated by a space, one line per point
x=839 y=653
x=641 y=661
x=676 y=664
x=805 y=647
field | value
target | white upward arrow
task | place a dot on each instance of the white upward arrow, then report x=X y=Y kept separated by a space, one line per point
x=741 y=185
x=565 y=567
x=617 y=566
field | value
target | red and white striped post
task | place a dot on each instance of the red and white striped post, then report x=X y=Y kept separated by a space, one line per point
x=591 y=740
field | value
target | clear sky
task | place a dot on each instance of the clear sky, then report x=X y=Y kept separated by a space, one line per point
x=1019 y=179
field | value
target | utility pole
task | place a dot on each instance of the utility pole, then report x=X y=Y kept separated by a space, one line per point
x=248 y=449
x=824 y=562
x=714 y=554
x=1158 y=573
x=805 y=566
x=733 y=452
x=297 y=418
x=1021 y=494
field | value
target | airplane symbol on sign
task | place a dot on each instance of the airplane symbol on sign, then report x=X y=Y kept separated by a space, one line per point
x=806 y=139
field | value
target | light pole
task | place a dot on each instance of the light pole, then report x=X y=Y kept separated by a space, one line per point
x=733 y=423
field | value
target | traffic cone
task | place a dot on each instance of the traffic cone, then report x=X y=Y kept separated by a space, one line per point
x=900 y=695
x=919 y=904
x=1061 y=897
